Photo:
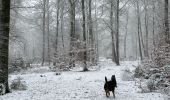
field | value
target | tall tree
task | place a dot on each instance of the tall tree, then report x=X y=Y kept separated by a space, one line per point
x=117 y=32
x=91 y=34
x=44 y=29
x=139 y=30
x=62 y=21
x=112 y=32
x=166 y=21
x=126 y=33
x=72 y=32
x=146 y=51
x=57 y=26
x=48 y=31
x=84 y=36
x=96 y=33
x=153 y=22
x=4 y=42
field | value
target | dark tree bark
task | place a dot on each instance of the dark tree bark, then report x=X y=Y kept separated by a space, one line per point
x=62 y=23
x=4 y=41
x=125 y=39
x=117 y=33
x=166 y=21
x=84 y=36
x=91 y=35
x=153 y=22
x=146 y=28
x=57 y=26
x=72 y=33
x=48 y=32
x=112 y=32
x=139 y=28
x=44 y=13
x=96 y=32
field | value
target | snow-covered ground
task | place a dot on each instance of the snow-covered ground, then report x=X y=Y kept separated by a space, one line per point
x=76 y=85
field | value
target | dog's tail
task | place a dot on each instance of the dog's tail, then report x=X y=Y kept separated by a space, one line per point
x=105 y=78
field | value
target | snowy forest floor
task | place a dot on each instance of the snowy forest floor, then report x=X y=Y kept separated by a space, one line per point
x=76 y=85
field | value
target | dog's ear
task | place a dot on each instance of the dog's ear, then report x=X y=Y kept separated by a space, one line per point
x=113 y=77
x=105 y=78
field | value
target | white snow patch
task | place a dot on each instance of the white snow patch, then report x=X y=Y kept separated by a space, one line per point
x=76 y=85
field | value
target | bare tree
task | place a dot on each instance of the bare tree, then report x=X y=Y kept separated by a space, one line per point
x=44 y=27
x=91 y=34
x=84 y=36
x=146 y=51
x=57 y=26
x=166 y=22
x=126 y=33
x=139 y=30
x=117 y=32
x=62 y=22
x=112 y=32
x=48 y=30
x=72 y=32
x=153 y=22
x=4 y=42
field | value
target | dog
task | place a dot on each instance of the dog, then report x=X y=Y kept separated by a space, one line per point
x=110 y=86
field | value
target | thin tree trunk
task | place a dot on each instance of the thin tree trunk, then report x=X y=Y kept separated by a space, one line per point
x=72 y=33
x=48 y=32
x=91 y=35
x=44 y=13
x=97 y=40
x=146 y=29
x=84 y=36
x=139 y=39
x=117 y=33
x=4 y=42
x=127 y=20
x=112 y=33
x=153 y=23
x=141 y=34
x=57 y=26
x=62 y=23
x=167 y=36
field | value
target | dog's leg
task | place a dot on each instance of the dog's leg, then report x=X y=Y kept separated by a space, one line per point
x=113 y=94
x=107 y=93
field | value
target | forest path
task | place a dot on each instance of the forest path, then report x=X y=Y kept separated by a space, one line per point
x=75 y=85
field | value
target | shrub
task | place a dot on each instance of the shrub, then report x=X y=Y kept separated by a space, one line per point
x=18 y=84
x=151 y=85
x=127 y=75
x=138 y=72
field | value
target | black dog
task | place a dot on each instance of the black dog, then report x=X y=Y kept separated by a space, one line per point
x=110 y=86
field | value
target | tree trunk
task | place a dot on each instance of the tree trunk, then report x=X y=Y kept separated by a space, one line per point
x=153 y=22
x=57 y=26
x=139 y=38
x=91 y=36
x=84 y=36
x=127 y=20
x=112 y=33
x=96 y=32
x=146 y=28
x=4 y=42
x=44 y=12
x=62 y=23
x=167 y=36
x=72 y=33
x=48 y=32
x=117 y=33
